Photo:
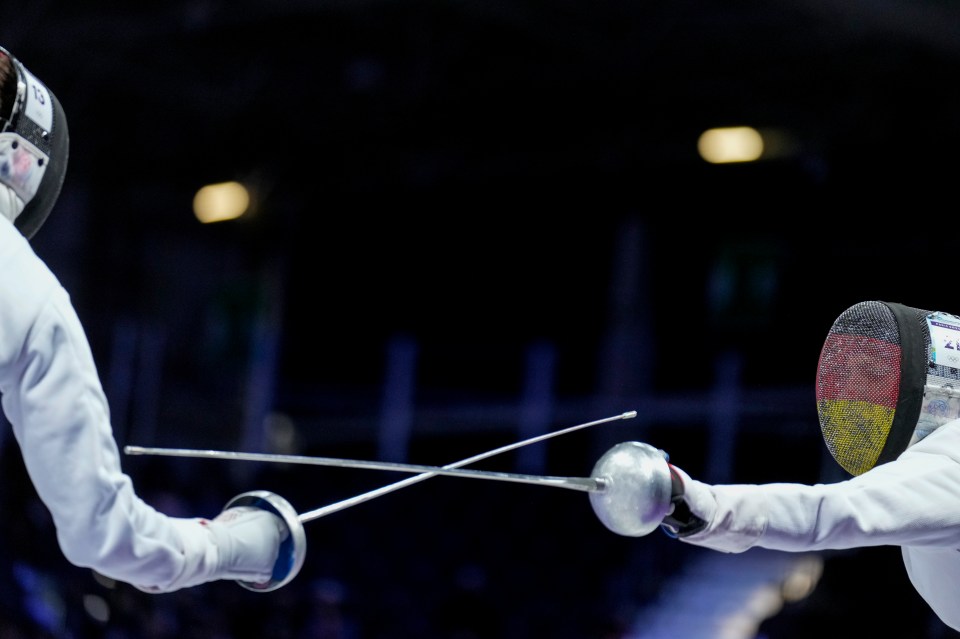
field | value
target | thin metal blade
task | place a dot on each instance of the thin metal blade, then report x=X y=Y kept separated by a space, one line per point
x=574 y=483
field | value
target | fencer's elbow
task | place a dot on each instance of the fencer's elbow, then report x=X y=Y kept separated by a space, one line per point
x=80 y=550
x=116 y=561
x=87 y=550
x=149 y=579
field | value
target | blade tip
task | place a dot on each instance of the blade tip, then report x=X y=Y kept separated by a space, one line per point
x=629 y=414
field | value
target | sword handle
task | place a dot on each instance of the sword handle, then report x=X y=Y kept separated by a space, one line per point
x=293 y=549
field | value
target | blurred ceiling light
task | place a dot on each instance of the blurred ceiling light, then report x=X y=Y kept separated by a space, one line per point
x=803 y=579
x=221 y=202
x=730 y=144
x=97 y=607
x=104 y=581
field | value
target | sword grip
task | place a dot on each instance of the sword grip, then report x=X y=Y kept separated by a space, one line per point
x=293 y=549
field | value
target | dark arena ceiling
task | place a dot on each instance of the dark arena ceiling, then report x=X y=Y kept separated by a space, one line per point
x=598 y=102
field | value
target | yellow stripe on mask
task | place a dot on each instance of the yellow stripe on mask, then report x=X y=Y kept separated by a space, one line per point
x=854 y=431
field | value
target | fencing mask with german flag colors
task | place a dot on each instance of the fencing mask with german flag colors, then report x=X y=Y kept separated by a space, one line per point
x=886 y=378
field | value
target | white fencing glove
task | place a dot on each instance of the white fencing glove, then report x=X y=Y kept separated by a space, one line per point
x=241 y=543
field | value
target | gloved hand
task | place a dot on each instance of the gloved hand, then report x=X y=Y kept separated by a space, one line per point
x=692 y=505
x=241 y=543
x=248 y=540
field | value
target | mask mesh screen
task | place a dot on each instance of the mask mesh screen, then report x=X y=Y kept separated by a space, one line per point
x=858 y=384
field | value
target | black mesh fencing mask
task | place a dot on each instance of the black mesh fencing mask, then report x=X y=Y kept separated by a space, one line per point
x=886 y=377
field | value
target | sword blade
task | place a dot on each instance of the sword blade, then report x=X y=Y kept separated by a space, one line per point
x=574 y=483
x=588 y=484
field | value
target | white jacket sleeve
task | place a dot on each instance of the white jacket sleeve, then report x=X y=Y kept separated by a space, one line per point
x=52 y=396
x=912 y=501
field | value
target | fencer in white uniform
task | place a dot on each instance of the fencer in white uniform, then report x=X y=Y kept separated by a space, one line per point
x=52 y=395
x=891 y=420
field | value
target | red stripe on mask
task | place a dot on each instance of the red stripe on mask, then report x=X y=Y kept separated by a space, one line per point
x=854 y=367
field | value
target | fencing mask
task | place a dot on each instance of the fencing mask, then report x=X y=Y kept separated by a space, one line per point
x=34 y=144
x=886 y=378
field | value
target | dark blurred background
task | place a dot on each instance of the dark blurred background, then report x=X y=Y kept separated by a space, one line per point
x=477 y=222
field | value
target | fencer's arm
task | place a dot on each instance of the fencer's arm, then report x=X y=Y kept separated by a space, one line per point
x=911 y=501
x=51 y=394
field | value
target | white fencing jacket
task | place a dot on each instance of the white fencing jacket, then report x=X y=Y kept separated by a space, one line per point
x=912 y=502
x=52 y=396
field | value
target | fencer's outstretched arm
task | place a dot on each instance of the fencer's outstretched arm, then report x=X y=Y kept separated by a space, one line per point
x=52 y=395
x=911 y=501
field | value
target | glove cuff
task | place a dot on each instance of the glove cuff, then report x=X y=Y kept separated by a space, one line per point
x=680 y=521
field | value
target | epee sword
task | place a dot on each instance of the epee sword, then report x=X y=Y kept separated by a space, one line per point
x=630 y=489
x=425 y=472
